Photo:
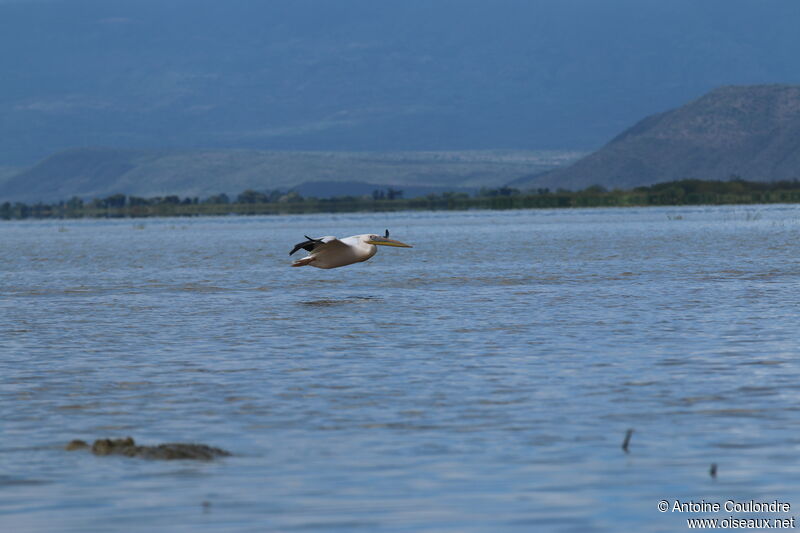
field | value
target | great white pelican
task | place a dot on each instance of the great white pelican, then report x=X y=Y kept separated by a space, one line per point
x=330 y=252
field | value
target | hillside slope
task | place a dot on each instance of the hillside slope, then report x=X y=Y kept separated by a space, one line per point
x=360 y=75
x=99 y=172
x=748 y=131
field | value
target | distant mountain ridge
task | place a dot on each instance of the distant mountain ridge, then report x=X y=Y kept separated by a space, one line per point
x=752 y=132
x=360 y=75
x=100 y=172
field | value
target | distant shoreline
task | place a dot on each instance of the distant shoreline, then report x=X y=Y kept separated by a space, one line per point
x=675 y=193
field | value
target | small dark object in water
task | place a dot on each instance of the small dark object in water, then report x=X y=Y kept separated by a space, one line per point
x=627 y=440
x=713 y=470
x=129 y=448
x=76 y=444
x=124 y=446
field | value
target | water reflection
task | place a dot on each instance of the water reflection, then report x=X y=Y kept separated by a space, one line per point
x=324 y=302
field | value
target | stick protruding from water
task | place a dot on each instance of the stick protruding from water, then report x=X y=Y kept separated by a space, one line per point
x=627 y=441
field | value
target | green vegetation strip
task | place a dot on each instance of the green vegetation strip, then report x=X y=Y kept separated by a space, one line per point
x=683 y=192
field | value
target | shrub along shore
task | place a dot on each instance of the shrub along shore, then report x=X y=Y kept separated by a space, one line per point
x=682 y=192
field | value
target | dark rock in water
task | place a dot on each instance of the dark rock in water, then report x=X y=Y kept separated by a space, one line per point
x=129 y=448
x=76 y=445
x=124 y=446
x=179 y=450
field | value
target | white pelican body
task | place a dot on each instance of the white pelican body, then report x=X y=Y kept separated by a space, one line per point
x=330 y=252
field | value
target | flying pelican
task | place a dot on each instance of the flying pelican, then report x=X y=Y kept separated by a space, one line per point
x=330 y=252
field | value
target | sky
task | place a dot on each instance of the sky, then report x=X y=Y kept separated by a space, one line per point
x=360 y=75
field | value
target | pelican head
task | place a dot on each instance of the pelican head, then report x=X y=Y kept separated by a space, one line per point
x=384 y=240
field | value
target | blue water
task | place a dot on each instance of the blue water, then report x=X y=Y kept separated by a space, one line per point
x=480 y=381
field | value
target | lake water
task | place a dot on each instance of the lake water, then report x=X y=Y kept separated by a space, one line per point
x=482 y=381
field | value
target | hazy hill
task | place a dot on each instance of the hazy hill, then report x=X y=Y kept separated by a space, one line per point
x=99 y=172
x=752 y=132
x=6 y=173
x=361 y=75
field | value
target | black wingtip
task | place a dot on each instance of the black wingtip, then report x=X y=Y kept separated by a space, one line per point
x=308 y=244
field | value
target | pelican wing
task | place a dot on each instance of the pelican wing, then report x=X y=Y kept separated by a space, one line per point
x=307 y=245
x=311 y=244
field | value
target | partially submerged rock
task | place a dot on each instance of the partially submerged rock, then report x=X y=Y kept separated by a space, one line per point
x=129 y=448
x=76 y=445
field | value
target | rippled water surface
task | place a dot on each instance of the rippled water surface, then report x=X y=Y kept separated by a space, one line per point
x=481 y=381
